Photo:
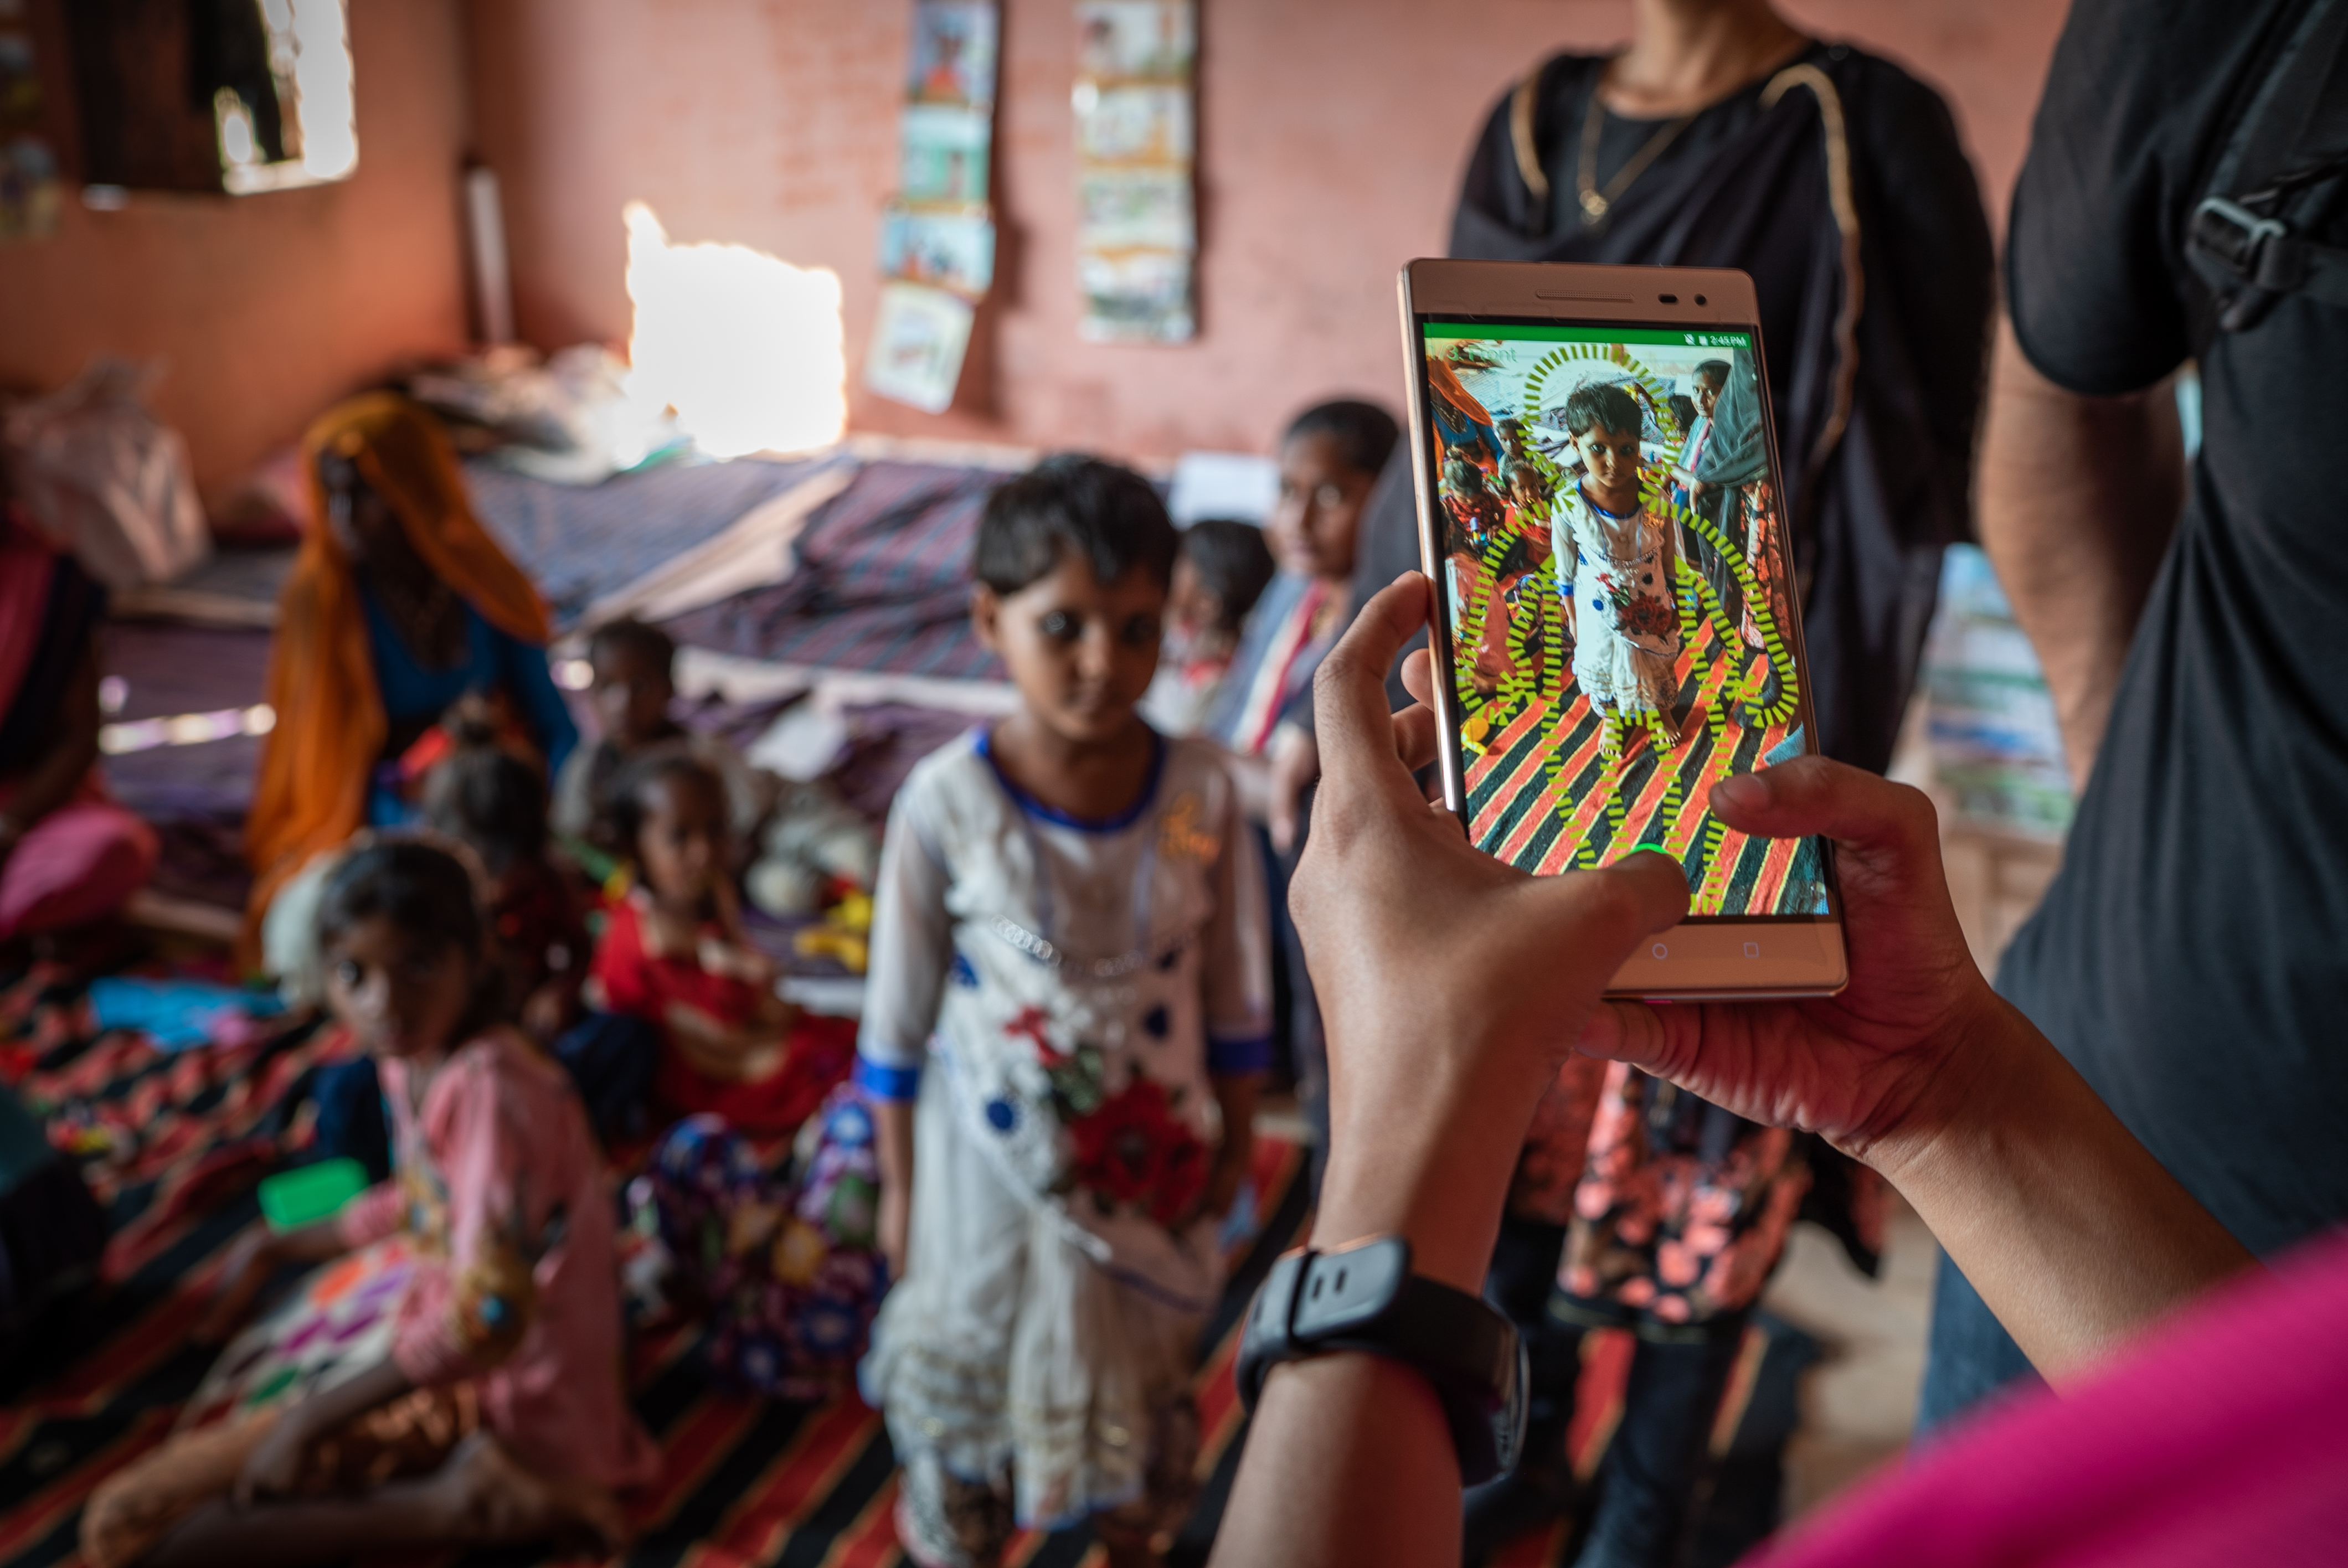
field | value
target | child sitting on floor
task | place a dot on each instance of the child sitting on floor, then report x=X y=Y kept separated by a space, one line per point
x=1218 y=577
x=674 y=955
x=807 y=839
x=1066 y=1026
x=496 y=1412
x=494 y=804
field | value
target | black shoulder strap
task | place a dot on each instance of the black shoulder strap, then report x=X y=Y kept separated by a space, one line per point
x=2292 y=137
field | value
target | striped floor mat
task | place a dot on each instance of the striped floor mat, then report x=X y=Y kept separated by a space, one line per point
x=1542 y=795
x=172 y=1145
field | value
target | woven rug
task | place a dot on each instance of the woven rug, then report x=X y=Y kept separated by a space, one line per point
x=172 y=1146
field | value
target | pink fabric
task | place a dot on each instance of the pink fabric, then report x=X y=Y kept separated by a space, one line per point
x=498 y=1146
x=25 y=563
x=82 y=861
x=2222 y=1438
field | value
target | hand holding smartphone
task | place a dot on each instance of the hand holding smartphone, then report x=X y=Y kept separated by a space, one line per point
x=1600 y=507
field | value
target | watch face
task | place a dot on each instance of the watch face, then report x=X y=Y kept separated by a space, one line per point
x=1508 y=1419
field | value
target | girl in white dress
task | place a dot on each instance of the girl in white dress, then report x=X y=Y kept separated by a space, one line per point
x=1068 y=1016
x=1615 y=565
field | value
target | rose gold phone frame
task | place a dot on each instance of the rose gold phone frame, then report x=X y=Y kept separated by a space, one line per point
x=1709 y=959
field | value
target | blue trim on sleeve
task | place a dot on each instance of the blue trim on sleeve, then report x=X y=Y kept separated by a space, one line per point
x=885 y=1082
x=1231 y=1058
x=984 y=746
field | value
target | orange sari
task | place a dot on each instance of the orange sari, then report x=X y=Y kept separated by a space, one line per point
x=331 y=728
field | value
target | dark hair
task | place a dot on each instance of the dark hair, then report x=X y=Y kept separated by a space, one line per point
x=1108 y=517
x=421 y=888
x=1233 y=562
x=625 y=803
x=1464 y=476
x=1605 y=404
x=1363 y=433
x=1717 y=369
x=646 y=641
x=1684 y=409
x=492 y=800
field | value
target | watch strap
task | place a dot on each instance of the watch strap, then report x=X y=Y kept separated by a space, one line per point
x=1364 y=1298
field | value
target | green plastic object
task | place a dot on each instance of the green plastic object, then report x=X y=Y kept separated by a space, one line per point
x=296 y=1198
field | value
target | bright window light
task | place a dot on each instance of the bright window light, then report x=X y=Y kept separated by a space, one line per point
x=310 y=56
x=748 y=349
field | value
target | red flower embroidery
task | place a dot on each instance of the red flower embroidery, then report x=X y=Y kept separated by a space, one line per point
x=1032 y=1024
x=1649 y=618
x=1132 y=1150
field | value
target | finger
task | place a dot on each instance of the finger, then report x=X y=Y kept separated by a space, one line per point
x=1626 y=1031
x=1815 y=796
x=1418 y=675
x=1416 y=737
x=1351 y=712
x=1642 y=893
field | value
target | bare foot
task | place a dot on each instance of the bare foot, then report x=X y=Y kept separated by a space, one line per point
x=490 y=1496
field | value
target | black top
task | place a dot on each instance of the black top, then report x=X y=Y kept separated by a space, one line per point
x=1744 y=186
x=2193 y=957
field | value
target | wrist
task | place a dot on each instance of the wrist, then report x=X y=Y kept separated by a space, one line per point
x=1438 y=1183
x=1963 y=1079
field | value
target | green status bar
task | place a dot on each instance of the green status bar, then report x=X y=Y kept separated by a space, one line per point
x=1525 y=331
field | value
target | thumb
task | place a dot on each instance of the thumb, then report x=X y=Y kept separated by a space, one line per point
x=1617 y=906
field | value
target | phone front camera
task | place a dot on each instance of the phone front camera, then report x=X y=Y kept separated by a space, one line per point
x=1699 y=298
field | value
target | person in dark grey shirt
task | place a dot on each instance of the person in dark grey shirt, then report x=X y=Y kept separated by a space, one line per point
x=2189 y=960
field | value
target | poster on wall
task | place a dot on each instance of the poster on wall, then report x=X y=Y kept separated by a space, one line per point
x=919 y=339
x=937 y=233
x=1137 y=148
x=31 y=193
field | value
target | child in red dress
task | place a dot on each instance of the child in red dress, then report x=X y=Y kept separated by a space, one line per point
x=674 y=955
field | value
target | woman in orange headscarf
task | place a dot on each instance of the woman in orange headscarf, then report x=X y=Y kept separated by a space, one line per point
x=399 y=606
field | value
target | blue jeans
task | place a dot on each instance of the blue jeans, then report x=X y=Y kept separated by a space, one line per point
x=1970 y=1357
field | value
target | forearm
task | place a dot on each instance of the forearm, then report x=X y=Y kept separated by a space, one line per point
x=2078 y=498
x=2075 y=1236
x=1236 y=1095
x=1349 y=1461
x=893 y=1131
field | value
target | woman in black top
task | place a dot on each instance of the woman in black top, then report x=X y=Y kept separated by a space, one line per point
x=1722 y=136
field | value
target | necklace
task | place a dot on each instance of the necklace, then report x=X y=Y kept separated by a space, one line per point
x=1596 y=203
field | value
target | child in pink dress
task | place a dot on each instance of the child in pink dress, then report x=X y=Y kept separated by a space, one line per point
x=498 y=1412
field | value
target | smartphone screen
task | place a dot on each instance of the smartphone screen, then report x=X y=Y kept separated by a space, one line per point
x=1618 y=604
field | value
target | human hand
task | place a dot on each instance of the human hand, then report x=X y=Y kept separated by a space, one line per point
x=274 y=1467
x=1881 y=1059
x=1295 y=764
x=252 y=1257
x=1452 y=983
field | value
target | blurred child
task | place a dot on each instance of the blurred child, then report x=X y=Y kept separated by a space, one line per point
x=1616 y=560
x=1066 y=1023
x=1329 y=459
x=674 y=955
x=497 y=1413
x=1218 y=577
x=810 y=840
x=494 y=804
x=633 y=685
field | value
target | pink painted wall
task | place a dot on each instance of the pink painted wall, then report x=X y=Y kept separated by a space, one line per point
x=268 y=307
x=1334 y=133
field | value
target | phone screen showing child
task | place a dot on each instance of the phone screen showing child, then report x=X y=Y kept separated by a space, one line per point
x=1618 y=599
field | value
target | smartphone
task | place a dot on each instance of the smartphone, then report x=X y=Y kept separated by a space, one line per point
x=1617 y=626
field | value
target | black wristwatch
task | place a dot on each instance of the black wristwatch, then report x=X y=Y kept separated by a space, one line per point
x=1366 y=1298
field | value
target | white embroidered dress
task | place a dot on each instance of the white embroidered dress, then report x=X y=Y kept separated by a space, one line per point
x=1040 y=976
x=1617 y=571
